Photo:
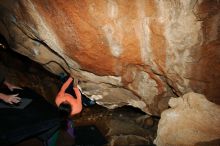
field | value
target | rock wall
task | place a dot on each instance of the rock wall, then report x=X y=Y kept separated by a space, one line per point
x=138 y=52
x=191 y=120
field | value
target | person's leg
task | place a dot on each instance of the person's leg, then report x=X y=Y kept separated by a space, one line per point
x=70 y=128
x=53 y=139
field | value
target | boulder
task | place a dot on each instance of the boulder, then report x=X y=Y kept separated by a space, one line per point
x=136 y=53
x=191 y=120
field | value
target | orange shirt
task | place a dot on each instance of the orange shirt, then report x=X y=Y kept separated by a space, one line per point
x=76 y=103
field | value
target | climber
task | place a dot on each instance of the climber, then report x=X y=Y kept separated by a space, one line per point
x=69 y=101
x=70 y=90
x=68 y=105
x=66 y=102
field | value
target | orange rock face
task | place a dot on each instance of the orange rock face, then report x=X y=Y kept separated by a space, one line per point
x=143 y=51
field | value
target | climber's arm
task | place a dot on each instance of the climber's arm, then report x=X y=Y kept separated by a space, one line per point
x=77 y=105
x=60 y=96
x=78 y=95
x=66 y=84
x=77 y=92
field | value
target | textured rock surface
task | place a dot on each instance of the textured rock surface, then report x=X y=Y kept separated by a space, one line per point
x=138 y=53
x=192 y=120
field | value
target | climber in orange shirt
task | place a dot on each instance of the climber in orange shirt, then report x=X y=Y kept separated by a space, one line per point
x=66 y=102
